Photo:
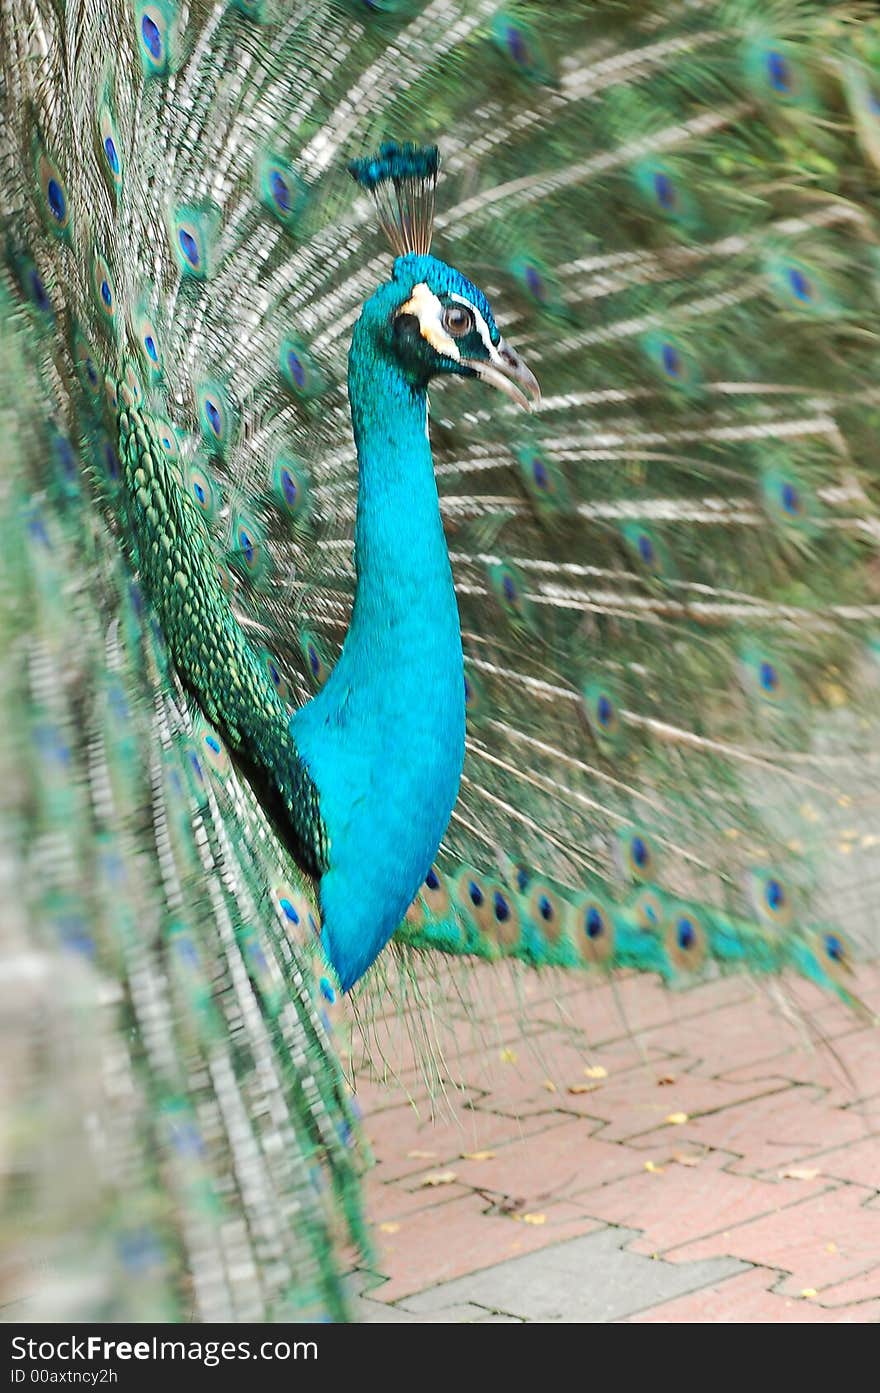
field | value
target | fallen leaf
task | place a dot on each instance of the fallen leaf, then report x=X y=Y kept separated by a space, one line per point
x=421 y=1155
x=595 y=1071
x=507 y=1056
x=582 y=1088
x=478 y=1155
x=665 y=1079
x=439 y=1178
x=677 y=1119
x=654 y=1168
x=796 y=1173
x=534 y=1218
x=389 y=1228
x=550 y=1085
x=686 y=1160
x=830 y=1247
x=809 y=1291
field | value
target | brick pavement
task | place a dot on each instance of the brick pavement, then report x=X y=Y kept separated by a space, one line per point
x=594 y=1153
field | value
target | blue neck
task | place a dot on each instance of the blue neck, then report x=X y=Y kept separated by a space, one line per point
x=384 y=739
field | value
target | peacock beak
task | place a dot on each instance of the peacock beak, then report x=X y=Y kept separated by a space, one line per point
x=507 y=371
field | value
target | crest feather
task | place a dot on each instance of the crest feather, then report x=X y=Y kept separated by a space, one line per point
x=401 y=180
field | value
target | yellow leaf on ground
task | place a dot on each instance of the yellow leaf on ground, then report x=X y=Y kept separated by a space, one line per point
x=809 y=1291
x=477 y=1155
x=677 y=1119
x=550 y=1085
x=798 y=1173
x=684 y=1160
x=439 y=1178
x=534 y=1218
x=654 y=1168
x=595 y=1071
x=582 y=1088
x=507 y=1056
x=389 y=1228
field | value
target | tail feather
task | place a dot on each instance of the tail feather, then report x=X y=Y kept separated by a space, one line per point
x=199 y=1147
x=667 y=577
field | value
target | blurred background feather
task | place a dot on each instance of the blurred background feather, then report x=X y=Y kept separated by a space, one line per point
x=667 y=576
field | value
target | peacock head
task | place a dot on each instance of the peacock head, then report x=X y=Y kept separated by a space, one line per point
x=429 y=317
x=435 y=322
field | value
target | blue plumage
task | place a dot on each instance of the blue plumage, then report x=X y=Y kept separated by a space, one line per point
x=384 y=738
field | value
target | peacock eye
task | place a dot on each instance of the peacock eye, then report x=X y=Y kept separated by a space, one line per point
x=458 y=320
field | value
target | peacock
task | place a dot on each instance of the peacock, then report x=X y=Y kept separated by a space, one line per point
x=581 y=675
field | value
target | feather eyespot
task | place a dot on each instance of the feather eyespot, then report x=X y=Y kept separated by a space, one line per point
x=779 y=71
x=151 y=37
x=105 y=291
x=501 y=906
x=280 y=191
x=685 y=933
x=435 y=895
x=800 y=284
x=686 y=940
x=276 y=677
x=296 y=369
x=649 y=910
x=299 y=371
x=791 y=500
x=56 y=202
x=154 y=30
x=215 y=416
x=639 y=860
x=509 y=587
x=594 y=931
x=502 y=923
x=192 y=232
x=316 y=659
x=832 y=955
x=671 y=359
x=203 y=491
x=291 y=488
x=38 y=292
x=665 y=190
x=190 y=247
x=535 y=282
x=544 y=909
x=600 y=707
x=516 y=45
x=772 y=898
x=834 y=948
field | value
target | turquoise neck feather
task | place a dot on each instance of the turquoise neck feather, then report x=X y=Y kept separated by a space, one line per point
x=384 y=739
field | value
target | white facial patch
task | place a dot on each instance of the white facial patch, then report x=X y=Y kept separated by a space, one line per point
x=481 y=327
x=428 y=310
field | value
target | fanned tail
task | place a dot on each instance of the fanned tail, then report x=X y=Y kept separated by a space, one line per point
x=158 y=984
x=667 y=578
